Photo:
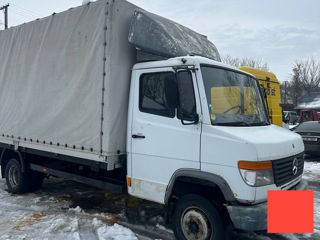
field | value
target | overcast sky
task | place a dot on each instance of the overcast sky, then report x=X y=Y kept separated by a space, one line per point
x=279 y=32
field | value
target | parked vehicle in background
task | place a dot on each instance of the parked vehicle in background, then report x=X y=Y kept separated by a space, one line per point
x=271 y=87
x=290 y=117
x=115 y=97
x=307 y=115
x=310 y=132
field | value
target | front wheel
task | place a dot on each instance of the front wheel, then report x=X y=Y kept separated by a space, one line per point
x=195 y=218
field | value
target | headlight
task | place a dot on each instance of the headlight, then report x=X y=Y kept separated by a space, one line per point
x=256 y=174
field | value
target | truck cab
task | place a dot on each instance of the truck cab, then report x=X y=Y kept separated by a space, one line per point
x=197 y=127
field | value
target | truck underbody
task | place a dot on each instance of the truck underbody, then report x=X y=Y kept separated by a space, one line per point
x=85 y=171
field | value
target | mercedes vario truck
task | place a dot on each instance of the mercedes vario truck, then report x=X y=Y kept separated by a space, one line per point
x=113 y=96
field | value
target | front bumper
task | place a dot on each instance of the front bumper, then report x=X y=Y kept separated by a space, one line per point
x=254 y=218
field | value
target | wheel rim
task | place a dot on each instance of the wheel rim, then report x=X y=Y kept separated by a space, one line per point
x=13 y=176
x=196 y=225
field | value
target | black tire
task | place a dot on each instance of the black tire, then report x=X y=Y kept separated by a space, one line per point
x=15 y=178
x=196 y=218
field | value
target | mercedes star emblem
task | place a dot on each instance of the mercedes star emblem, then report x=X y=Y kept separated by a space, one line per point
x=295 y=166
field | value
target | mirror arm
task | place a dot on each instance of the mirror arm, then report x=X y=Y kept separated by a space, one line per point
x=191 y=123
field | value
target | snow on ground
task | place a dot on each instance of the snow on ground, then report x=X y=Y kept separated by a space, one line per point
x=312 y=171
x=41 y=216
x=312 y=175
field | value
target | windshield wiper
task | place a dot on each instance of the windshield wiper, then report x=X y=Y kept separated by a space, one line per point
x=242 y=123
x=260 y=124
x=233 y=124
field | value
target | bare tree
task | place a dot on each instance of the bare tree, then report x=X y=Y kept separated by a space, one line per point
x=308 y=72
x=245 y=62
x=292 y=90
x=287 y=92
x=305 y=79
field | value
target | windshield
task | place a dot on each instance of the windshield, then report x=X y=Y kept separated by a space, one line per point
x=234 y=98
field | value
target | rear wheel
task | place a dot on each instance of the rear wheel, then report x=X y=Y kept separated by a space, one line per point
x=21 y=182
x=195 y=218
x=15 y=178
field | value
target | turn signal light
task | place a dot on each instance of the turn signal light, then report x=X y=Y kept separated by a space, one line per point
x=129 y=181
x=246 y=165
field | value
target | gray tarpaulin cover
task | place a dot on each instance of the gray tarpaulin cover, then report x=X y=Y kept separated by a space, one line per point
x=52 y=73
x=64 y=79
x=159 y=36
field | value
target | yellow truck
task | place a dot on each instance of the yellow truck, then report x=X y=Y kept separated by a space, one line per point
x=269 y=82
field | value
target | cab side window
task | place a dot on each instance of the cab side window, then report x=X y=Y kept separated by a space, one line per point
x=156 y=93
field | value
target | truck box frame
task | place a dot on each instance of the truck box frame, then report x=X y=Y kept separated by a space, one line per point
x=67 y=87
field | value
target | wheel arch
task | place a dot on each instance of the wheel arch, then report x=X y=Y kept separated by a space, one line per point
x=6 y=155
x=197 y=177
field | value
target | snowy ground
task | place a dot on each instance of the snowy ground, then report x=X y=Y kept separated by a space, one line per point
x=49 y=215
x=68 y=210
x=312 y=174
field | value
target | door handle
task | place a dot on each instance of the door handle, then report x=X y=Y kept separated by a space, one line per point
x=138 y=136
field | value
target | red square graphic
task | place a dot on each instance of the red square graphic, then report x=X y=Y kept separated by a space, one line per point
x=290 y=211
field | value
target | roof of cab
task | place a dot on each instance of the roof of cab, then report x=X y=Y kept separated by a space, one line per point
x=260 y=74
x=185 y=61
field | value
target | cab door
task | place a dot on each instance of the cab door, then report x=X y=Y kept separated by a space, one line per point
x=160 y=142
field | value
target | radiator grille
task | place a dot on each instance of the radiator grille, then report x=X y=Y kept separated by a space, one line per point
x=283 y=169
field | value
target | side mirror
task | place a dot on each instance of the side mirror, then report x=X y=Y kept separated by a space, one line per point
x=194 y=119
x=187 y=103
x=171 y=93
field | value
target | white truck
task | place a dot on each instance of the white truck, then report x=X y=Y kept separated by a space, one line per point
x=112 y=96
